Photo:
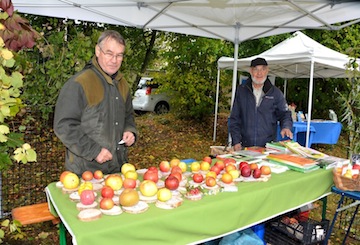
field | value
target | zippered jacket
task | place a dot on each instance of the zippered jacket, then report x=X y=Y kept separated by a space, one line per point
x=253 y=125
x=93 y=111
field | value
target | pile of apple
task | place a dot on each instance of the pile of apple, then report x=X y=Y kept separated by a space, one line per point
x=252 y=169
x=349 y=171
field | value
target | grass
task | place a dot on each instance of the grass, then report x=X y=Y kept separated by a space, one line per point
x=163 y=137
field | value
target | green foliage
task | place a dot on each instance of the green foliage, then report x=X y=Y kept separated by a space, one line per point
x=349 y=99
x=191 y=73
x=12 y=229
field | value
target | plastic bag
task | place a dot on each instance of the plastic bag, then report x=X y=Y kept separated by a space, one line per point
x=244 y=237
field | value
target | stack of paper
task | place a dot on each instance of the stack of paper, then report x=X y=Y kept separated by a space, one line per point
x=330 y=162
x=277 y=146
x=296 y=148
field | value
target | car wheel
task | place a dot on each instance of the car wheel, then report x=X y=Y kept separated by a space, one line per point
x=161 y=108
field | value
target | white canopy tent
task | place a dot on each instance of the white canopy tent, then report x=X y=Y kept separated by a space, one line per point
x=296 y=57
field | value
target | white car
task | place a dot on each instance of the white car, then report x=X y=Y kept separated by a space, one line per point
x=146 y=97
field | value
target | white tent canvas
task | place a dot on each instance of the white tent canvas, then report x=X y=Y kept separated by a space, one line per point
x=296 y=57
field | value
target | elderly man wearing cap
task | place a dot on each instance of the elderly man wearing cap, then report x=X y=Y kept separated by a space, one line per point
x=257 y=108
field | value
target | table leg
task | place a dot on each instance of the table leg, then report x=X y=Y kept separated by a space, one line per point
x=62 y=235
x=328 y=233
x=351 y=221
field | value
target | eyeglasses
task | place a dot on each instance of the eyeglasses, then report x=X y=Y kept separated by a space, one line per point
x=109 y=55
x=257 y=70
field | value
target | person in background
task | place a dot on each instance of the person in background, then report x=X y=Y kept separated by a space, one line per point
x=257 y=109
x=94 y=111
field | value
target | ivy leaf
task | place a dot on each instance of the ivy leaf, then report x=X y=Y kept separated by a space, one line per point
x=4 y=129
x=31 y=155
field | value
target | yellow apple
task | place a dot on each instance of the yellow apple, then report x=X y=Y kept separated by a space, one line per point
x=183 y=166
x=195 y=166
x=164 y=194
x=131 y=175
x=174 y=162
x=211 y=174
x=71 y=181
x=234 y=173
x=204 y=166
x=148 y=188
x=114 y=181
x=87 y=185
x=127 y=167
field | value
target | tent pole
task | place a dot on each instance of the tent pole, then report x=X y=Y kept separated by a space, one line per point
x=216 y=103
x=234 y=81
x=311 y=85
x=285 y=88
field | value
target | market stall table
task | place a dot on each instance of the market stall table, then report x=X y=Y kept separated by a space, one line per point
x=326 y=132
x=196 y=221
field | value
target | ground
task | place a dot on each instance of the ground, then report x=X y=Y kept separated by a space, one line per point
x=163 y=137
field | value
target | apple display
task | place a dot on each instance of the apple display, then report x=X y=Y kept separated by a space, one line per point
x=211 y=174
x=98 y=174
x=129 y=198
x=107 y=203
x=107 y=192
x=164 y=166
x=127 y=167
x=242 y=164
x=87 y=197
x=356 y=166
x=171 y=182
x=148 y=188
x=177 y=175
x=87 y=185
x=71 y=181
x=198 y=178
x=253 y=166
x=114 y=181
x=176 y=169
x=229 y=161
x=152 y=168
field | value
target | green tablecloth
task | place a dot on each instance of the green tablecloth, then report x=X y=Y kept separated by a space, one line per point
x=197 y=221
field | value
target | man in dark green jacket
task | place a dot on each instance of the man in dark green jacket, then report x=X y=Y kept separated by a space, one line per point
x=94 y=111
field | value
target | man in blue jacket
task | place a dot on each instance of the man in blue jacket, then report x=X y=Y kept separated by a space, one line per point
x=257 y=108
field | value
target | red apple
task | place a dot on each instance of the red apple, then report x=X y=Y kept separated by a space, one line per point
x=171 y=182
x=256 y=173
x=177 y=175
x=87 y=197
x=176 y=169
x=245 y=171
x=198 y=178
x=220 y=164
x=107 y=203
x=242 y=164
x=229 y=161
x=216 y=169
x=207 y=159
x=107 y=191
x=98 y=174
x=129 y=183
x=210 y=181
x=356 y=166
x=151 y=175
x=87 y=175
x=152 y=168
x=164 y=166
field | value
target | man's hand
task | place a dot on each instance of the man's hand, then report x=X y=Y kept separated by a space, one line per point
x=129 y=138
x=104 y=156
x=237 y=147
x=286 y=132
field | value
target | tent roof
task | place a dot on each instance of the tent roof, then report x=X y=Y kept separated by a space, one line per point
x=208 y=18
x=292 y=59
